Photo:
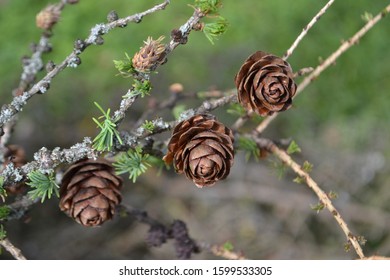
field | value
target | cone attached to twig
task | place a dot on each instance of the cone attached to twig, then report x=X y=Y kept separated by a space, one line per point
x=149 y=55
x=89 y=192
x=265 y=84
x=16 y=155
x=202 y=148
x=48 y=17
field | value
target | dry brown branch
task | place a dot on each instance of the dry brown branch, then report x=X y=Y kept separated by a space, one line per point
x=306 y=29
x=329 y=61
x=12 y=249
x=303 y=72
x=322 y=196
x=214 y=104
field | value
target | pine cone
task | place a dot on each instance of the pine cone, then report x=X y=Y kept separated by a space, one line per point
x=16 y=155
x=265 y=84
x=49 y=16
x=90 y=191
x=149 y=55
x=202 y=148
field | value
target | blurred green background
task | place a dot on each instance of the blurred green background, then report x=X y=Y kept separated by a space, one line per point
x=341 y=122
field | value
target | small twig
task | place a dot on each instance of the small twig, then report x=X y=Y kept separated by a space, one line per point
x=175 y=97
x=329 y=61
x=12 y=249
x=306 y=29
x=303 y=71
x=265 y=123
x=323 y=197
x=209 y=105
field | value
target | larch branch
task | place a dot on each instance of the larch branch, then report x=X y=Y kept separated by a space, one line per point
x=322 y=196
x=12 y=249
x=306 y=29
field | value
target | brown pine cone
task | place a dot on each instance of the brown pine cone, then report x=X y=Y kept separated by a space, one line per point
x=48 y=17
x=89 y=192
x=16 y=155
x=202 y=148
x=149 y=55
x=265 y=84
